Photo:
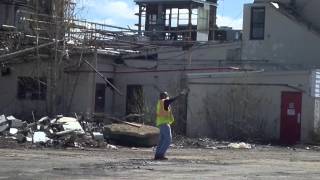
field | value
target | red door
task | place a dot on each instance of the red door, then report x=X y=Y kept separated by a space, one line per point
x=290 y=117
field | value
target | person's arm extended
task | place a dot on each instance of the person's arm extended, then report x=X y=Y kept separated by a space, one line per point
x=167 y=102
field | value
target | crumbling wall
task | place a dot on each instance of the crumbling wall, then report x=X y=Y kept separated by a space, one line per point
x=245 y=105
x=236 y=113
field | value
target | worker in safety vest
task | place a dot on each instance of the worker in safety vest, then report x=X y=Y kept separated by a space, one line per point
x=164 y=120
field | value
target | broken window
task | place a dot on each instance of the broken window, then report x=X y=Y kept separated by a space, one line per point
x=135 y=99
x=100 y=97
x=174 y=17
x=168 y=12
x=30 y=88
x=152 y=19
x=194 y=17
x=220 y=35
x=257 y=23
x=183 y=17
x=143 y=21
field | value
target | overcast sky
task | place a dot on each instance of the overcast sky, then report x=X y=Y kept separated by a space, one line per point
x=121 y=12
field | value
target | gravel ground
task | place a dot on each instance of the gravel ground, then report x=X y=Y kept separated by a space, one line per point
x=260 y=162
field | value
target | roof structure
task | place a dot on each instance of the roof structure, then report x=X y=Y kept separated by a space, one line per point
x=175 y=1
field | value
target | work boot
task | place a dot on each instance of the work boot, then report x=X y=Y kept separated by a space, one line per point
x=160 y=158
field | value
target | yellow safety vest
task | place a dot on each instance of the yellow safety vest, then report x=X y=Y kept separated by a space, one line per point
x=163 y=116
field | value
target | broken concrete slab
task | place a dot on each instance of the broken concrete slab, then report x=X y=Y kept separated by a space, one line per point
x=15 y=123
x=70 y=123
x=43 y=119
x=40 y=137
x=61 y=133
x=4 y=127
x=241 y=145
x=98 y=136
x=13 y=131
x=113 y=147
x=123 y=134
x=3 y=119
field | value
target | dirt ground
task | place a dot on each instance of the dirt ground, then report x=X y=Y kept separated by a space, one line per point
x=130 y=163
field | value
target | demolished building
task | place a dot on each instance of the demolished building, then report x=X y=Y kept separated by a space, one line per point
x=105 y=69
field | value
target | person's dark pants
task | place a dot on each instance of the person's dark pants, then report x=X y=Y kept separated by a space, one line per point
x=164 y=140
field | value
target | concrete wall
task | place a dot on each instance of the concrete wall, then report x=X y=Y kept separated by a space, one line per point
x=153 y=82
x=288 y=43
x=79 y=90
x=211 y=106
x=80 y=84
x=9 y=102
x=307 y=8
x=106 y=67
x=74 y=90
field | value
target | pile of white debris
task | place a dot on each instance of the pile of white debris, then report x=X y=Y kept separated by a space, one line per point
x=59 y=131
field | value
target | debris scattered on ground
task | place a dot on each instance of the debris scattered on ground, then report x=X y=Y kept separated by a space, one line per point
x=137 y=136
x=206 y=143
x=13 y=131
x=110 y=146
x=40 y=137
x=241 y=145
x=3 y=123
x=59 y=131
x=3 y=119
x=82 y=132
x=15 y=123
x=70 y=124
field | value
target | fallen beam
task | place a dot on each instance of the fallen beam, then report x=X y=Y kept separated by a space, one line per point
x=104 y=78
x=24 y=51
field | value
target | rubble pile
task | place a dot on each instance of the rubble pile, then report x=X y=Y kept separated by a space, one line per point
x=58 y=132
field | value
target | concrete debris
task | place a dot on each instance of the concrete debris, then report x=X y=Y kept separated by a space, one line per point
x=43 y=119
x=180 y=142
x=241 y=145
x=10 y=118
x=98 y=136
x=14 y=122
x=59 y=131
x=71 y=124
x=3 y=119
x=29 y=139
x=13 y=131
x=4 y=127
x=40 y=137
x=113 y=147
x=128 y=135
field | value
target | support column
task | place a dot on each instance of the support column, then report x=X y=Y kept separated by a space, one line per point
x=160 y=22
x=190 y=22
x=139 y=24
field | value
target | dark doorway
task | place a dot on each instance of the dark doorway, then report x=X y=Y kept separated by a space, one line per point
x=134 y=100
x=290 y=117
x=100 y=98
